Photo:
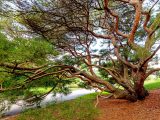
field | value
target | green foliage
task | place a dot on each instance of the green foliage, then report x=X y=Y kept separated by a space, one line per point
x=26 y=53
x=142 y=52
x=105 y=74
x=4 y=47
x=82 y=84
x=70 y=60
x=156 y=22
x=21 y=50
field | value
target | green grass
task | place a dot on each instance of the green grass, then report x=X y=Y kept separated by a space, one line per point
x=81 y=108
x=152 y=84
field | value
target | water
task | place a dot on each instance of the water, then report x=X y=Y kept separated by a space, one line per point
x=22 y=105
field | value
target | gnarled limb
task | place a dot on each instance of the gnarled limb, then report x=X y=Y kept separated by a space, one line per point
x=107 y=10
x=150 y=57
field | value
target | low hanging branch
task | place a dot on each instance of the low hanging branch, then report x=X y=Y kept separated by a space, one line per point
x=11 y=66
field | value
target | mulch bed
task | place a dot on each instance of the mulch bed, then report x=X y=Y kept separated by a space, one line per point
x=115 y=109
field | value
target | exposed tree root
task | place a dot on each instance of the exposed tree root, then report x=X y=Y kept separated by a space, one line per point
x=120 y=94
x=100 y=95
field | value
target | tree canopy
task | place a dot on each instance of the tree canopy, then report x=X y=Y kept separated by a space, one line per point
x=101 y=42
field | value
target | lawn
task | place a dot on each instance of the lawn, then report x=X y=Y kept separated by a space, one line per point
x=152 y=84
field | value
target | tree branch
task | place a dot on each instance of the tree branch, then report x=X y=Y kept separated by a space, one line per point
x=138 y=8
x=20 y=68
x=116 y=17
x=152 y=71
x=150 y=57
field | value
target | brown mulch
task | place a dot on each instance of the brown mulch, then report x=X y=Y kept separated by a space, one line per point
x=115 y=109
x=14 y=117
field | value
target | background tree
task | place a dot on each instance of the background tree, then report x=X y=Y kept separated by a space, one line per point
x=124 y=30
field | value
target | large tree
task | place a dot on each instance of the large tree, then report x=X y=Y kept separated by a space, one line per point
x=98 y=39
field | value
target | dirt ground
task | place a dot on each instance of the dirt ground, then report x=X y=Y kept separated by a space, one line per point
x=148 y=109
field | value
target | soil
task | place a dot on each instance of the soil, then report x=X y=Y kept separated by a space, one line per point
x=116 y=109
